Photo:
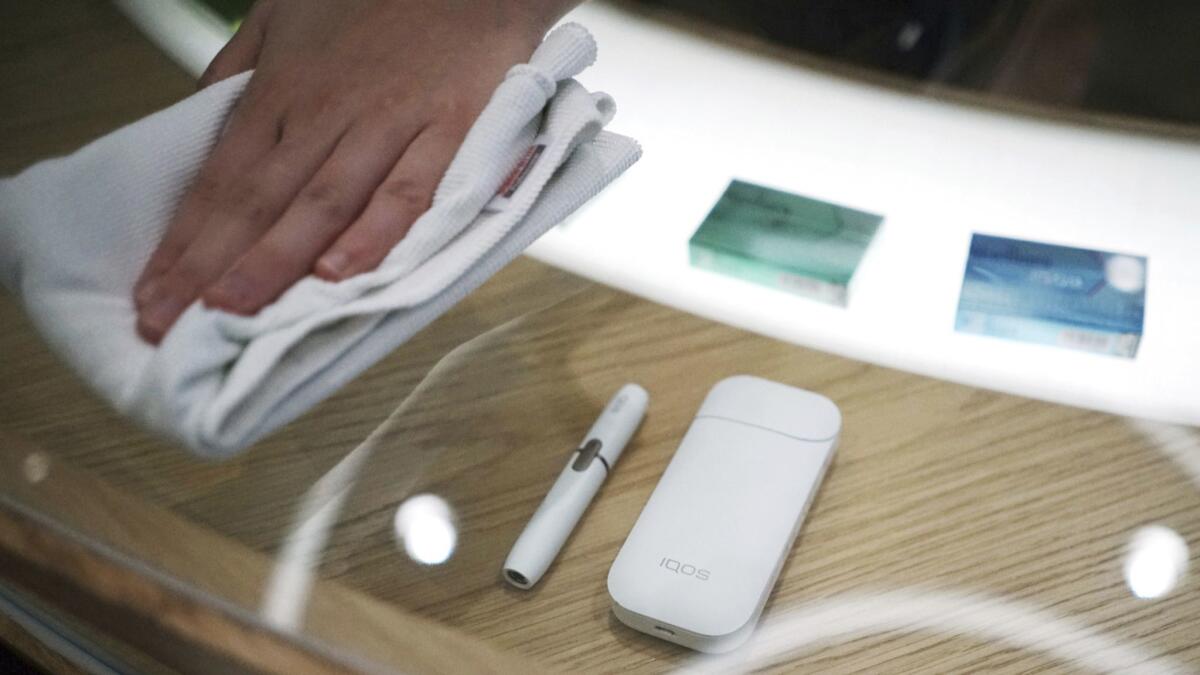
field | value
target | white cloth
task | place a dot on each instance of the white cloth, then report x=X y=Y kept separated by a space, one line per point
x=76 y=231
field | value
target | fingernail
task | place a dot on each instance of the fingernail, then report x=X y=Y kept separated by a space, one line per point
x=149 y=333
x=333 y=265
x=157 y=316
x=230 y=293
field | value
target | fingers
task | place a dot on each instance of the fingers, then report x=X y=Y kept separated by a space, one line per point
x=225 y=214
x=247 y=140
x=250 y=229
x=403 y=196
x=241 y=52
x=326 y=206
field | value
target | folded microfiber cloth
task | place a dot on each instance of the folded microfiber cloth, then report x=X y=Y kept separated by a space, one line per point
x=75 y=233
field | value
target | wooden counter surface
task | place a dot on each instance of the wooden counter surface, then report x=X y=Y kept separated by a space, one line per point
x=959 y=530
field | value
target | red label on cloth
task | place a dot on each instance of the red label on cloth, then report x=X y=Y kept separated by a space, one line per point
x=520 y=171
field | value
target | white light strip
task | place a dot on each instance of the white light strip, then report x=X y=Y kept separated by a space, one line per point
x=1180 y=444
x=286 y=596
x=975 y=616
x=189 y=31
x=707 y=112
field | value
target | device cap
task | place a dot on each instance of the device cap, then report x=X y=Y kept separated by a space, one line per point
x=800 y=414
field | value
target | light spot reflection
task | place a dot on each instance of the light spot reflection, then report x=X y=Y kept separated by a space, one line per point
x=425 y=525
x=1125 y=273
x=1155 y=562
x=36 y=467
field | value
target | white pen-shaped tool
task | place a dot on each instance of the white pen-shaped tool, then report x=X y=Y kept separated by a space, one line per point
x=578 y=483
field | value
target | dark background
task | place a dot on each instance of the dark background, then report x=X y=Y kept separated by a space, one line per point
x=1138 y=59
x=1113 y=56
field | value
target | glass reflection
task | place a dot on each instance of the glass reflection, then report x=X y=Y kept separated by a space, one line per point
x=36 y=467
x=1180 y=444
x=1156 y=561
x=425 y=525
x=1018 y=624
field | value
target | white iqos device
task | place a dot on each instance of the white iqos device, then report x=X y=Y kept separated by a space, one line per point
x=704 y=554
x=578 y=483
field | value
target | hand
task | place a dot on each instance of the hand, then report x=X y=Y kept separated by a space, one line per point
x=354 y=112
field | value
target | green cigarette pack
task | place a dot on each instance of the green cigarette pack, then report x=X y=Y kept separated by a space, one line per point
x=783 y=240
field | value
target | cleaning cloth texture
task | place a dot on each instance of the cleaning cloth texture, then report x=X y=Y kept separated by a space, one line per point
x=76 y=231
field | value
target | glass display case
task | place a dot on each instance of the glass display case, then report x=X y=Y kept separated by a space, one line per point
x=992 y=504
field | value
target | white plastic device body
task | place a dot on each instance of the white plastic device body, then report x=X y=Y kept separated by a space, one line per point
x=704 y=554
x=569 y=497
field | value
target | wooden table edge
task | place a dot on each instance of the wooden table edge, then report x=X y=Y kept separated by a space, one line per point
x=191 y=631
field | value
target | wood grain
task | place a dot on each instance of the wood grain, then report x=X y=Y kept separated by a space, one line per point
x=938 y=491
x=936 y=487
x=92 y=551
x=34 y=652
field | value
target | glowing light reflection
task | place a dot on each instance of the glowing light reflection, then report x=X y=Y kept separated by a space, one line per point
x=425 y=524
x=1014 y=623
x=36 y=467
x=1156 y=561
x=1125 y=273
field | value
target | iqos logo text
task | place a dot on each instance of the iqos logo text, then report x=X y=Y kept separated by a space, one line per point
x=683 y=568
